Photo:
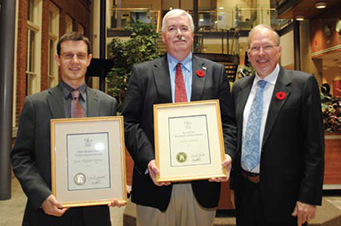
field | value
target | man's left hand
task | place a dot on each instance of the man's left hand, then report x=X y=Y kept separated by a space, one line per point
x=304 y=212
x=226 y=163
x=117 y=203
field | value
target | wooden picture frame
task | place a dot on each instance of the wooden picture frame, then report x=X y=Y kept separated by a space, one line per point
x=189 y=141
x=88 y=161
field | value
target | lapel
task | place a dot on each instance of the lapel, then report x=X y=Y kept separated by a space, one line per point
x=282 y=85
x=198 y=82
x=55 y=102
x=243 y=93
x=162 y=79
x=93 y=103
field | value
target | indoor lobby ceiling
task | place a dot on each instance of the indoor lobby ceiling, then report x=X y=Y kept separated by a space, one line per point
x=292 y=8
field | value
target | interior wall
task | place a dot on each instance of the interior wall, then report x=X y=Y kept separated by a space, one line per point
x=330 y=75
x=287 y=43
x=323 y=33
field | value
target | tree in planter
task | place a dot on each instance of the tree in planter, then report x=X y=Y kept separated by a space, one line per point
x=140 y=47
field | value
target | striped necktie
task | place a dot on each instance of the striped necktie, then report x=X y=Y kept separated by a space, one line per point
x=76 y=109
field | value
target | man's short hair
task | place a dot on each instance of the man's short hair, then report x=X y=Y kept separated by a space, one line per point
x=73 y=36
x=260 y=27
x=175 y=13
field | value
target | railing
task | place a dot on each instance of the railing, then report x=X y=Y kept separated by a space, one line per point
x=226 y=24
x=239 y=17
x=120 y=17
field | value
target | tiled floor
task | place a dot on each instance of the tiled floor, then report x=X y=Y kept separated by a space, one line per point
x=11 y=211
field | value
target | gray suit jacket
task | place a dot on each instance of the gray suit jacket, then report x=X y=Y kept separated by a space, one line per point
x=31 y=153
x=292 y=160
x=149 y=85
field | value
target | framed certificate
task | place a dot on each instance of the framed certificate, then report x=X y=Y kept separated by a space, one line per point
x=88 y=161
x=189 y=142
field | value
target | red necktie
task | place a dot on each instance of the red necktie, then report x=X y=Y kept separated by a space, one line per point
x=180 y=89
x=76 y=109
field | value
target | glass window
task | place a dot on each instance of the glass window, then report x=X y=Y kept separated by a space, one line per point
x=30 y=67
x=80 y=29
x=33 y=51
x=52 y=45
x=68 y=24
x=30 y=9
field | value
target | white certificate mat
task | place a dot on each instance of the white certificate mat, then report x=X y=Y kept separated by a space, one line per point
x=189 y=141
x=88 y=161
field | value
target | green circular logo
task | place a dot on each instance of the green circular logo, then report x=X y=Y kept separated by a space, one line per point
x=181 y=157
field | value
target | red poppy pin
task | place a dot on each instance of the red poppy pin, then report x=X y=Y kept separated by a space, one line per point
x=280 y=95
x=200 y=73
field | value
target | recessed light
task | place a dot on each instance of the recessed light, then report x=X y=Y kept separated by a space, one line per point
x=320 y=5
x=299 y=17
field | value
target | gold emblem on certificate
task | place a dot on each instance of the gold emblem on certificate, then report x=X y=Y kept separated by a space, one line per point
x=79 y=179
x=181 y=157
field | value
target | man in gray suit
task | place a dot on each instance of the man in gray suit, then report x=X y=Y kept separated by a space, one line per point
x=31 y=153
x=159 y=81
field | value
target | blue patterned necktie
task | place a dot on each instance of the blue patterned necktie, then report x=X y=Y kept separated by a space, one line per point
x=251 y=140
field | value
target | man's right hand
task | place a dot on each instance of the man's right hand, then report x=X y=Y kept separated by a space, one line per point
x=153 y=170
x=52 y=207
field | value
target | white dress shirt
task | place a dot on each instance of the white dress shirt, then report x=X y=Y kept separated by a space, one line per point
x=268 y=91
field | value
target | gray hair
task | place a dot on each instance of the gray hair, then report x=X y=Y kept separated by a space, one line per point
x=260 y=27
x=175 y=13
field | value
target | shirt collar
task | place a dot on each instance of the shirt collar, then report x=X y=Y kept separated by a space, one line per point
x=68 y=89
x=186 y=63
x=271 y=78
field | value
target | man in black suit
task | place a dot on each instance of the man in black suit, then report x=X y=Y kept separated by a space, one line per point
x=31 y=153
x=154 y=82
x=278 y=172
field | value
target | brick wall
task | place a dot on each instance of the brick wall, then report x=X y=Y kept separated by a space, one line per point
x=21 y=57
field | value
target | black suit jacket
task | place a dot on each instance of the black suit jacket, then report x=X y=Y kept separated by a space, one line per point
x=292 y=160
x=149 y=85
x=32 y=151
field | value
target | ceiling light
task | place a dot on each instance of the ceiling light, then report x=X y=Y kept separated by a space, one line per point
x=299 y=17
x=320 y=5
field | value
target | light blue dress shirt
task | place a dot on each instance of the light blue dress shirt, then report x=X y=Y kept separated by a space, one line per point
x=186 y=66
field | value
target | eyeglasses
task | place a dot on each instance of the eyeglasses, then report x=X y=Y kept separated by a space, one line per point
x=69 y=56
x=266 y=48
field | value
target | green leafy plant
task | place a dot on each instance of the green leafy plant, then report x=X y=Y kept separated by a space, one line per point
x=331 y=110
x=140 y=47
